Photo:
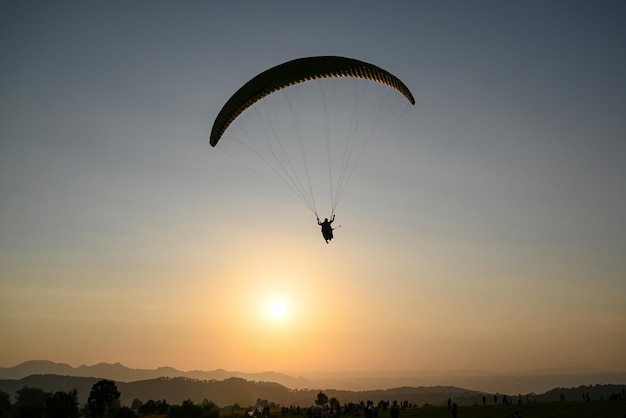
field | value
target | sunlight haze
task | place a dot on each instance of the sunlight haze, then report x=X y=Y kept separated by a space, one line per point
x=485 y=232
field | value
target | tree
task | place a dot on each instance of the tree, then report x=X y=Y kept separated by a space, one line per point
x=190 y=410
x=187 y=410
x=148 y=408
x=125 y=412
x=322 y=399
x=31 y=402
x=262 y=403
x=154 y=408
x=209 y=409
x=62 y=404
x=103 y=396
x=5 y=405
x=136 y=405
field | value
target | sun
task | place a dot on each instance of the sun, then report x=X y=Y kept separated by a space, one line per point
x=277 y=309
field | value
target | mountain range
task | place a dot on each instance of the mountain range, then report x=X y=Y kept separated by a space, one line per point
x=536 y=382
x=120 y=373
x=235 y=392
x=228 y=392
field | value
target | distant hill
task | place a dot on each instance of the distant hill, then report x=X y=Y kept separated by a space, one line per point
x=481 y=381
x=230 y=391
x=245 y=393
x=120 y=373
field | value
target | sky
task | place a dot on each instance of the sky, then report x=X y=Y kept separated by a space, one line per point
x=488 y=235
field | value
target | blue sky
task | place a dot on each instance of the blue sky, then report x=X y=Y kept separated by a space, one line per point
x=493 y=222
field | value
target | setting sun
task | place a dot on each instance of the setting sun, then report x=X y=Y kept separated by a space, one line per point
x=277 y=308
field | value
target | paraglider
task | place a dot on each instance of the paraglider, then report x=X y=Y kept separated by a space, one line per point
x=327 y=229
x=282 y=116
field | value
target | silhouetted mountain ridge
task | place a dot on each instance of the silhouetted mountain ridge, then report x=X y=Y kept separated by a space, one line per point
x=227 y=392
x=120 y=373
x=538 y=381
x=236 y=390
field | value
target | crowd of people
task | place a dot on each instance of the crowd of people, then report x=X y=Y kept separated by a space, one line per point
x=366 y=408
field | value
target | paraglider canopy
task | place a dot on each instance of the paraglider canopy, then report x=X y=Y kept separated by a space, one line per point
x=299 y=71
x=309 y=113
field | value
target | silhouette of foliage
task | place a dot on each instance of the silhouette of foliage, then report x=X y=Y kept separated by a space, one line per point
x=62 y=404
x=322 y=399
x=31 y=402
x=154 y=407
x=136 y=404
x=103 y=396
x=190 y=410
x=5 y=404
x=125 y=412
x=207 y=405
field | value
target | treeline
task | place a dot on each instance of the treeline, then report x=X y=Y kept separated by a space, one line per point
x=231 y=391
x=103 y=402
x=50 y=396
x=584 y=393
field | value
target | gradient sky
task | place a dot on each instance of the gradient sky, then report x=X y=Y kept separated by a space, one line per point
x=490 y=234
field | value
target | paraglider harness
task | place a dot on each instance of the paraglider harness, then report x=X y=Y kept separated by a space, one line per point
x=327 y=229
